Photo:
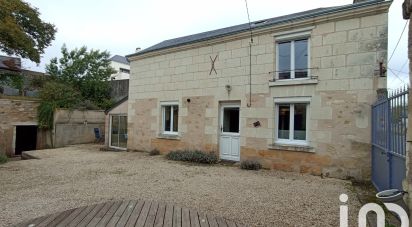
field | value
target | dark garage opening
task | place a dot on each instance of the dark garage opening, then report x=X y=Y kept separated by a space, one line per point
x=26 y=138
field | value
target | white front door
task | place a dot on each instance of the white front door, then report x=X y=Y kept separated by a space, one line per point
x=229 y=132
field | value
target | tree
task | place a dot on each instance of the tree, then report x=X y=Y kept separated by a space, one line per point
x=87 y=71
x=22 y=32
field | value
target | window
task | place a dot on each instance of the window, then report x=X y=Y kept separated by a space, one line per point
x=125 y=70
x=291 y=123
x=118 y=132
x=170 y=122
x=292 y=59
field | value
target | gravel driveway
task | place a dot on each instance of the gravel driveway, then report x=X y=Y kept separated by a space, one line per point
x=80 y=175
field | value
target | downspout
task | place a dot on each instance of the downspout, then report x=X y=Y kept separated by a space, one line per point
x=250 y=57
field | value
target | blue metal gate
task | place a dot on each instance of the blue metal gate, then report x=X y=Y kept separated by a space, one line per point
x=389 y=124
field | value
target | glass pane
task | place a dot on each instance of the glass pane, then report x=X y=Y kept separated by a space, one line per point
x=299 y=132
x=167 y=118
x=114 y=140
x=123 y=131
x=283 y=121
x=231 y=119
x=284 y=60
x=175 y=118
x=301 y=58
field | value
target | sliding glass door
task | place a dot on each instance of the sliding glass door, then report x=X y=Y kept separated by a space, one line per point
x=118 y=131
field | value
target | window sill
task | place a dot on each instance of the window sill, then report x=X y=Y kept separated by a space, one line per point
x=292 y=82
x=168 y=136
x=291 y=147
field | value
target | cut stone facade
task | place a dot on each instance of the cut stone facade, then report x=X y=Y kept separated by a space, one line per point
x=344 y=55
x=18 y=112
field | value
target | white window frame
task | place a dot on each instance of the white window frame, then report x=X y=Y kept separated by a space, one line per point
x=163 y=109
x=292 y=38
x=291 y=101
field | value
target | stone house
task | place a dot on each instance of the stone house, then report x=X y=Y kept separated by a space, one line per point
x=295 y=97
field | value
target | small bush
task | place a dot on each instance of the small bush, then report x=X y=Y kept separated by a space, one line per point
x=3 y=158
x=250 y=165
x=193 y=156
x=154 y=152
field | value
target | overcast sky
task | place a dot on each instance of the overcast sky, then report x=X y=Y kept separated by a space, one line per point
x=121 y=26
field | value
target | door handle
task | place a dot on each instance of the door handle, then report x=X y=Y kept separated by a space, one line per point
x=221 y=128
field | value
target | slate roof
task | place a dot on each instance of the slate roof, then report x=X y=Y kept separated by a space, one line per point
x=10 y=63
x=120 y=59
x=257 y=24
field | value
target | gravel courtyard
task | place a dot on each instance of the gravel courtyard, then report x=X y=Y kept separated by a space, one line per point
x=80 y=175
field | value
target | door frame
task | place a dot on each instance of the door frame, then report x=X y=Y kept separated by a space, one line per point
x=110 y=131
x=222 y=105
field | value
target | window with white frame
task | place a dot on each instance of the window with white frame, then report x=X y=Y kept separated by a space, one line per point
x=292 y=59
x=291 y=121
x=170 y=118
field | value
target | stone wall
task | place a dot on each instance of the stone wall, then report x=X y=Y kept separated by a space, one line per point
x=344 y=58
x=17 y=111
x=76 y=127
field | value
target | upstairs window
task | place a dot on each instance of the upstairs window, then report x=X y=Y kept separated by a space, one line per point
x=123 y=70
x=292 y=59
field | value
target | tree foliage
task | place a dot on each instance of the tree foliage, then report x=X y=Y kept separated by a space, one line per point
x=86 y=71
x=22 y=32
x=55 y=95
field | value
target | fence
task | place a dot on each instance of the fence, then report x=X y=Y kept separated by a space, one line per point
x=389 y=125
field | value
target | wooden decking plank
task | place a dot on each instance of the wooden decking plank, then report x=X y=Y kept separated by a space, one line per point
x=203 y=220
x=168 y=219
x=212 y=221
x=100 y=214
x=221 y=222
x=32 y=221
x=109 y=214
x=72 y=215
x=185 y=217
x=143 y=214
x=116 y=217
x=91 y=215
x=151 y=216
x=177 y=216
x=60 y=218
x=81 y=215
x=194 y=218
x=126 y=214
x=135 y=214
x=160 y=215
x=48 y=219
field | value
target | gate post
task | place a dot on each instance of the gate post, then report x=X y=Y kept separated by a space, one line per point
x=407 y=11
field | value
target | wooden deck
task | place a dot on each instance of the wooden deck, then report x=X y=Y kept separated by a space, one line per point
x=130 y=213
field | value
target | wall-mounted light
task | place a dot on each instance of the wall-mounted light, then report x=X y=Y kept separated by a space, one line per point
x=228 y=88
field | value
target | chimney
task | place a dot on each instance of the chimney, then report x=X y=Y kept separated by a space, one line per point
x=138 y=49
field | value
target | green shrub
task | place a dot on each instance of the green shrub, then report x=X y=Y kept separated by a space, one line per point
x=154 y=152
x=3 y=158
x=193 y=156
x=250 y=165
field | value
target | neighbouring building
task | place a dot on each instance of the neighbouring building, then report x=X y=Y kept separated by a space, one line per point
x=297 y=98
x=122 y=67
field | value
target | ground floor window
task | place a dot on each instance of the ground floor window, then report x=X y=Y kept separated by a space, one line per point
x=118 y=131
x=170 y=118
x=291 y=120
